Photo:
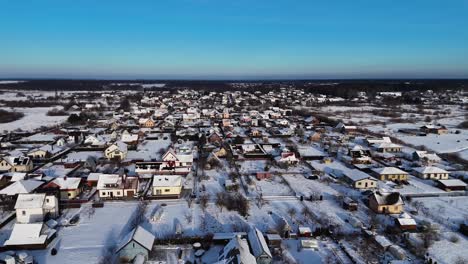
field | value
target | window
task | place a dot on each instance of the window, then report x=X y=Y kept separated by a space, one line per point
x=47 y=200
x=118 y=193
x=167 y=190
x=69 y=194
x=23 y=212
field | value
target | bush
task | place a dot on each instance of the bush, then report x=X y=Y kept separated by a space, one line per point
x=463 y=124
x=56 y=112
x=233 y=202
x=6 y=116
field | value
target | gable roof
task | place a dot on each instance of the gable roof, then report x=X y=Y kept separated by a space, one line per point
x=430 y=169
x=29 y=234
x=30 y=201
x=67 y=183
x=167 y=181
x=388 y=170
x=22 y=186
x=139 y=235
x=258 y=243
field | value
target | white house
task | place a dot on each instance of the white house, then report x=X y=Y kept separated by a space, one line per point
x=32 y=208
x=114 y=186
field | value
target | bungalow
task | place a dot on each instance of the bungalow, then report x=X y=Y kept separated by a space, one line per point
x=432 y=129
x=345 y=128
x=425 y=156
x=386 y=202
x=31 y=208
x=117 y=151
x=451 y=185
x=138 y=242
x=390 y=174
x=433 y=173
x=167 y=186
x=359 y=179
x=70 y=188
x=385 y=147
x=114 y=186
x=30 y=236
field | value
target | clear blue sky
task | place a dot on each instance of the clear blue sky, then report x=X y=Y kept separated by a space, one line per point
x=234 y=39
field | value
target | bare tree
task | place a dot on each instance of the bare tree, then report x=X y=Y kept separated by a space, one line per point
x=204 y=201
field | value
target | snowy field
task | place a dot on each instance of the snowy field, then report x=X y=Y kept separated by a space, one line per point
x=33 y=118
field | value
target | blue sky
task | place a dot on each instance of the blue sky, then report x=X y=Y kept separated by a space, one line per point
x=219 y=39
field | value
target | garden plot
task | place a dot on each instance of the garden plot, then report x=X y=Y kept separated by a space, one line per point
x=270 y=187
x=86 y=241
x=150 y=149
x=304 y=186
x=216 y=178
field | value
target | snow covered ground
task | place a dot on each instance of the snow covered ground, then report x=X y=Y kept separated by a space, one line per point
x=33 y=118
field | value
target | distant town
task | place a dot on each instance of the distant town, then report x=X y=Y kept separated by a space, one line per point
x=233 y=172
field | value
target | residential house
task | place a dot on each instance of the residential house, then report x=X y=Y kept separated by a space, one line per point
x=114 y=186
x=35 y=207
x=426 y=157
x=430 y=172
x=16 y=163
x=70 y=188
x=168 y=186
x=288 y=157
x=451 y=185
x=385 y=147
x=146 y=122
x=390 y=174
x=359 y=179
x=386 y=202
x=138 y=242
x=432 y=129
x=30 y=236
x=117 y=151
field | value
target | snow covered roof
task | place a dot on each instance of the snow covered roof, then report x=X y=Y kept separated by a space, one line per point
x=237 y=251
x=28 y=201
x=258 y=243
x=67 y=183
x=94 y=176
x=393 y=198
x=139 y=235
x=357 y=175
x=28 y=234
x=16 y=176
x=388 y=170
x=167 y=181
x=452 y=182
x=430 y=169
x=22 y=186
